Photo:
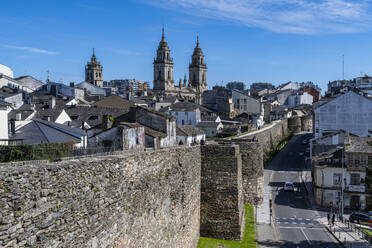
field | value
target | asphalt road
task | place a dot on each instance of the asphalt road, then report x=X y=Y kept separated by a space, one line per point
x=295 y=219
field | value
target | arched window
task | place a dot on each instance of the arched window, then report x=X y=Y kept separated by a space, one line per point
x=194 y=77
x=201 y=60
x=169 y=75
x=159 y=75
x=203 y=77
x=168 y=56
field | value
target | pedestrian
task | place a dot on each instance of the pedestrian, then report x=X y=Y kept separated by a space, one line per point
x=328 y=217
x=333 y=219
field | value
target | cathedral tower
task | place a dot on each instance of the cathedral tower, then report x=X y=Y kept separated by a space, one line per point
x=163 y=67
x=93 y=72
x=198 y=72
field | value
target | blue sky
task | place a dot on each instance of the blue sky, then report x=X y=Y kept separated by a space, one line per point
x=262 y=40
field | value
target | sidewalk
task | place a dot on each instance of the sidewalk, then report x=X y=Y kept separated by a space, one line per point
x=266 y=234
x=349 y=238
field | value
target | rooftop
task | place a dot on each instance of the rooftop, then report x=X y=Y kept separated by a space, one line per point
x=188 y=131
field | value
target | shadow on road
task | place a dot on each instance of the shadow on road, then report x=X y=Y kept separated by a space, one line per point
x=303 y=244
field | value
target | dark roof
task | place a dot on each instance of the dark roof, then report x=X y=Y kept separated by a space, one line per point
x=188 y=131
x=90 y=115
x=114 y=101
x=207 y=124
x=148 y=131
x=156 y=112
x=39 y=131
x=186 y=107
x=209 y=117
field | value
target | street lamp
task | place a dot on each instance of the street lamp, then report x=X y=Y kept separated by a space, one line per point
x=342 y=181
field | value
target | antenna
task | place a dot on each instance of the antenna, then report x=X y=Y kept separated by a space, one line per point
x=47 y=76
x=343 y=67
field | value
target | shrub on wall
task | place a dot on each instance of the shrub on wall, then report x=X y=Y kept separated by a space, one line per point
x=46 y=151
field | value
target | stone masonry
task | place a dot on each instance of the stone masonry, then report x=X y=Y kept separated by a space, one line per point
x=252 y=168
x=150 y=200
x=221 y=207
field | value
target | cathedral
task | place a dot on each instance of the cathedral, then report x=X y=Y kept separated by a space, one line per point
x=164 y=84
x=93 y=72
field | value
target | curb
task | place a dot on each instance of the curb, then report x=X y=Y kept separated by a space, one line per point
x=334 y=236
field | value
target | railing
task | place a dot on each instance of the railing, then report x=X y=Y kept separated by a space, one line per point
x=357 y=228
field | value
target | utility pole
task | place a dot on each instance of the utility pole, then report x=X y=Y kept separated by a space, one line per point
x=343 y=183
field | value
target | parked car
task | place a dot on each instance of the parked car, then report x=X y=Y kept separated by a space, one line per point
x=288 y=186
x=359 y=217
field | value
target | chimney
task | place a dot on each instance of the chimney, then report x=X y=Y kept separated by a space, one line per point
x=106 y=122
x=52 y=102
x=72 y=85
x=19 y=116
x=12 y=126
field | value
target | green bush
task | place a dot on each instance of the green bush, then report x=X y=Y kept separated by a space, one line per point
x=46 y=151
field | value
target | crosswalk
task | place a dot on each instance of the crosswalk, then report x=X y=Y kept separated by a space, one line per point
x=298 y=221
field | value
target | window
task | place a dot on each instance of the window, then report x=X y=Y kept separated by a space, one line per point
x=183 y=122
x=93 y=117
x=356 y=161
x=354 y=179
x=189 y=122
x=363 y=160
x=350 y=159
x=74 y=117
x=337 y=178
x=370 y=160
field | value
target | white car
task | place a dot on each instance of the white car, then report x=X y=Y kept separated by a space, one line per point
x=288 y=186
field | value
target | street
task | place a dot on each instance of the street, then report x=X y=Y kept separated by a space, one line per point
x=295 y=220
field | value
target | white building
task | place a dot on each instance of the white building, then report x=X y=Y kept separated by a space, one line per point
x=350 y=112
x=297 y=99
x=5 y=70
x=188 y=113
x=188 y=135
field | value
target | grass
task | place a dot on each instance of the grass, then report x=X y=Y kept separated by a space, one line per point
x=249 y=235
x=367 y=230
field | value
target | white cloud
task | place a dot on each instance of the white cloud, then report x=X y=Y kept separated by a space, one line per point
x=32 y=49
x=282 y=16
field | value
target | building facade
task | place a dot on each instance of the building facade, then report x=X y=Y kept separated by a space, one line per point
x=349 y=112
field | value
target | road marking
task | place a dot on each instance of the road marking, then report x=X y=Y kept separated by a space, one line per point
x=296 y=227
x=302 y=230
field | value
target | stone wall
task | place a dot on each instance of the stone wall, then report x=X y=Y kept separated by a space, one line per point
x=271 y=137
x=150 y=199
x=252 y=168
x=307 y=123
x=221 y=207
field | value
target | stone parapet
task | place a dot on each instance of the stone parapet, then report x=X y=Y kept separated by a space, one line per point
x=151 y=199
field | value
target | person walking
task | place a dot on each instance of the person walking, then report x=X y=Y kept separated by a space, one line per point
x=333 y=219
x=328 y=218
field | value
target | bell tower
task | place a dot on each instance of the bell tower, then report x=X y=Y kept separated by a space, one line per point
x=93 y=71
x=163 y=67
x=198 y=72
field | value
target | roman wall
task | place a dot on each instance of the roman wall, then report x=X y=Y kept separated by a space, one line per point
x=221 y=207
x=150 y=199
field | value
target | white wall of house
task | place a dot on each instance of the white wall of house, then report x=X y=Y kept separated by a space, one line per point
x=190 y=118
x=6 y=71
x=328 y=182
x=63 y=118
x=190 y=139
x=3 y=122
x=15 y=100
x=348 y=112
